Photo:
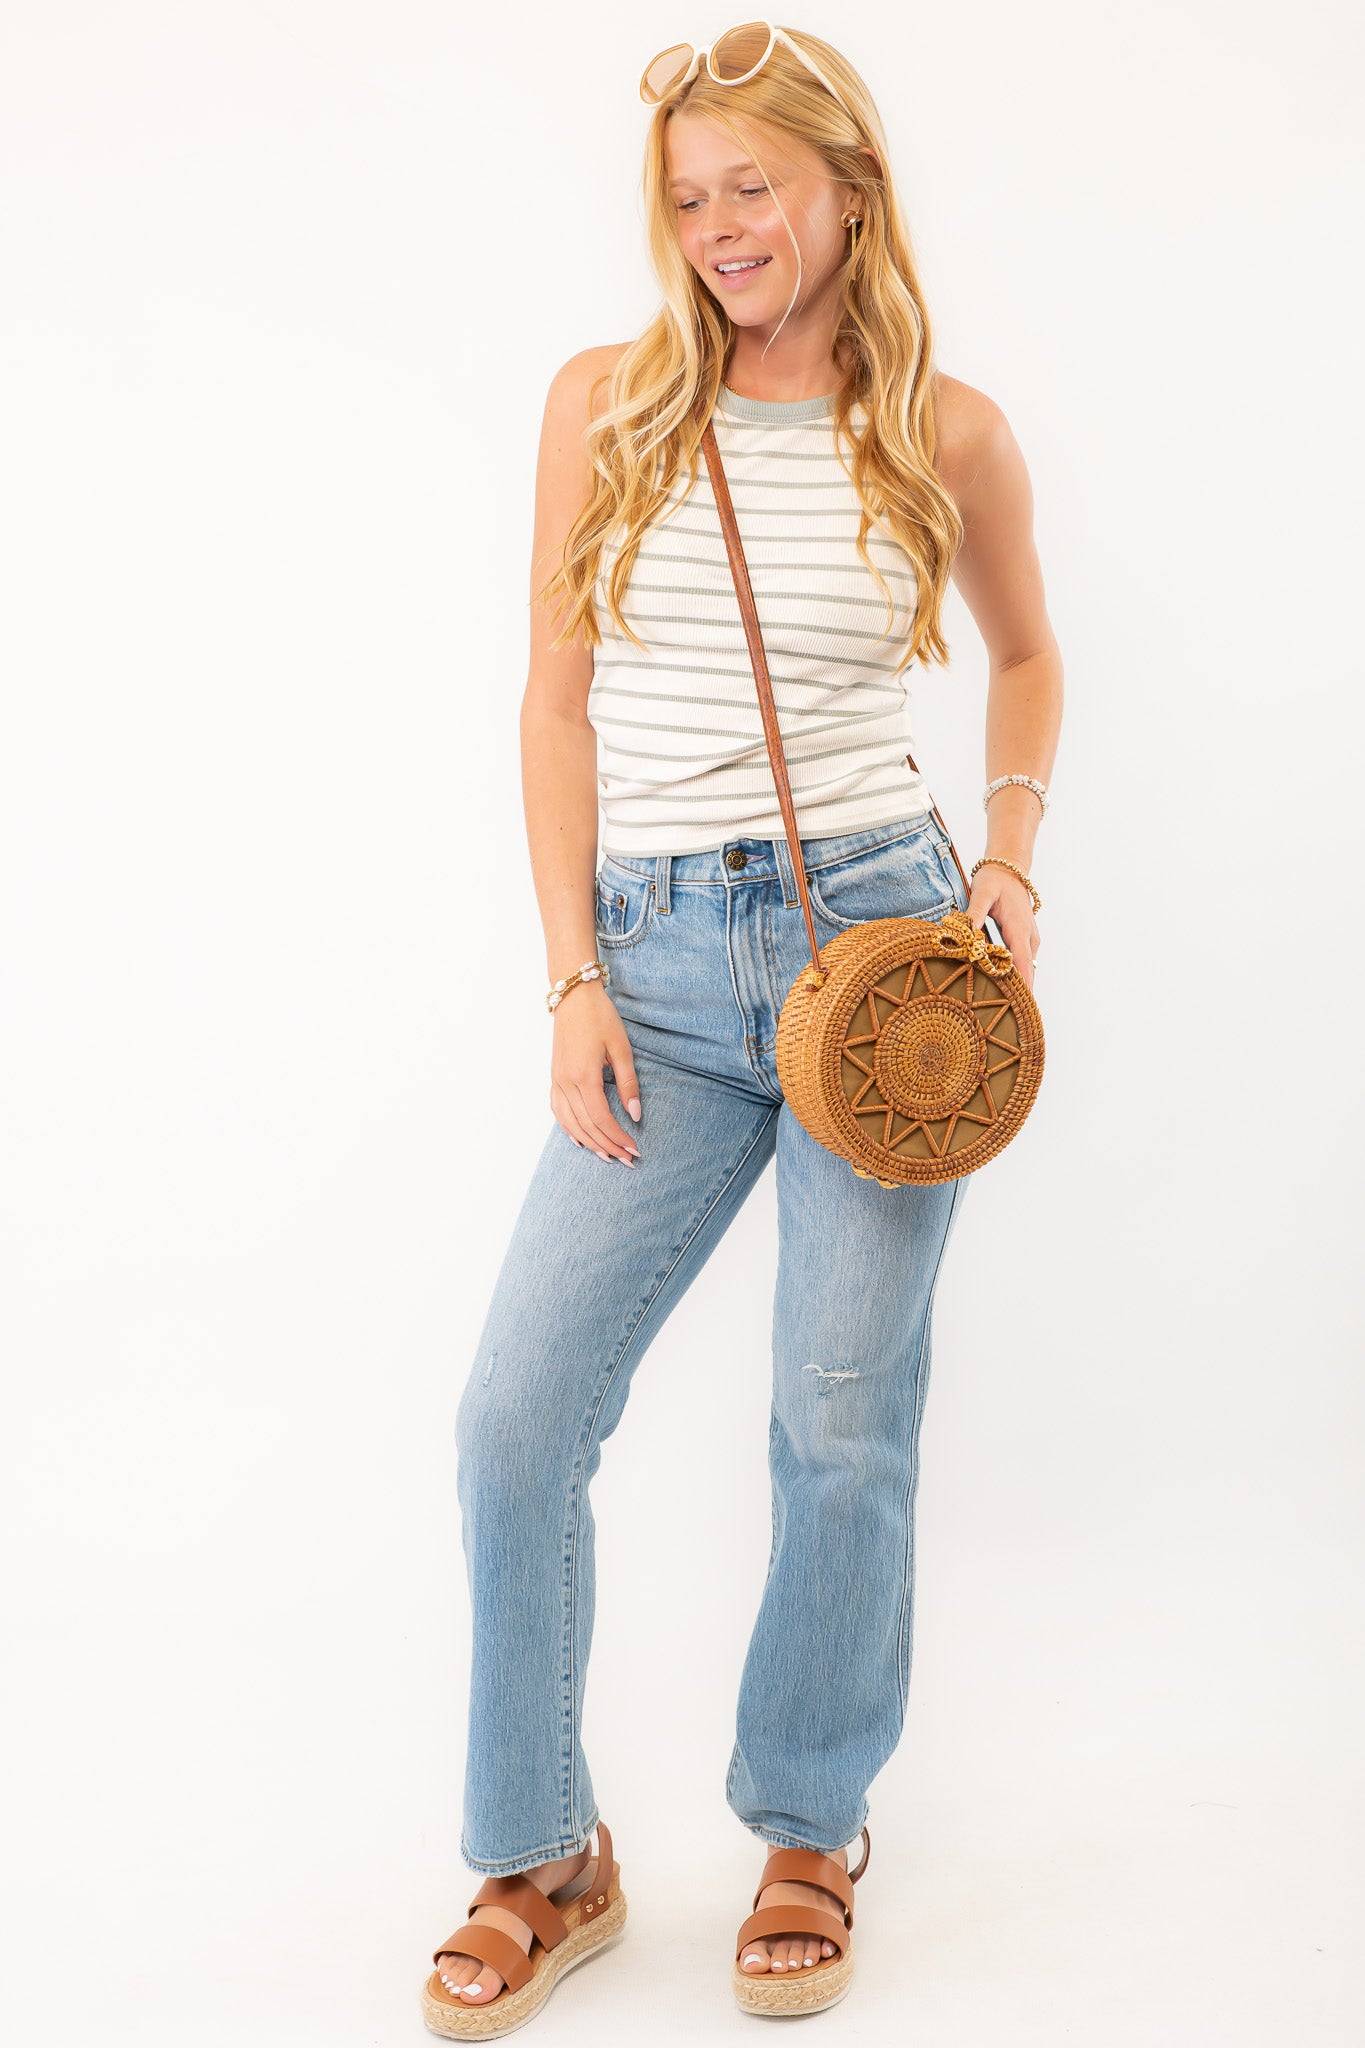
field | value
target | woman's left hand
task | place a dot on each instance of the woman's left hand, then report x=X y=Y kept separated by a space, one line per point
x=997 y=893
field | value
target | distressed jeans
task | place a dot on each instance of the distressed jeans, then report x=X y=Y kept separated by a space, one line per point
x=702 y=949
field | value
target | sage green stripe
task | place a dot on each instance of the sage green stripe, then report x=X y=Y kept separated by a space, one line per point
x=794 y=760
x=850 y=512
x=722 y=567
x=616 y=639
x=690 y=590
x=730 y=704
x=736 y=796
x=875 y=716
x=824 y=455
x=713 y=665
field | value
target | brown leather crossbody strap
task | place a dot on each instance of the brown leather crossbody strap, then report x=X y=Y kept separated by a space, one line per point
x=772 y=732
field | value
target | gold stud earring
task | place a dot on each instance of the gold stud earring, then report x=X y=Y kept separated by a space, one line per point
x=850 y=220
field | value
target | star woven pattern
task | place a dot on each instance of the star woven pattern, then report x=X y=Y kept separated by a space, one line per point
x=932 y=1055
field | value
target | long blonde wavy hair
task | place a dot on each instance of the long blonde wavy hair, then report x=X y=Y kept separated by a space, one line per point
x=663 y=387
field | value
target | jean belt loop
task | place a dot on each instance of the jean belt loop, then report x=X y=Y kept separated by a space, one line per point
x=662 y=864
x=786 y=868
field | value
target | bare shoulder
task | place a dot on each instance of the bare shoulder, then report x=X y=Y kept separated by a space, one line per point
x=564 y=479
x=996 y=568
x=564 y=482
x=976 y=444
x=578 y=389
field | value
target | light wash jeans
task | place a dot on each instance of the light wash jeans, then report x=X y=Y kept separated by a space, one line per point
x=702 y=949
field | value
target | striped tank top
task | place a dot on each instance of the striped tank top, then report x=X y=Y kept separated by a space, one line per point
x=682 y=762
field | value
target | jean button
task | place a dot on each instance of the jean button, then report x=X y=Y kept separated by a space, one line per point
x=736 y=858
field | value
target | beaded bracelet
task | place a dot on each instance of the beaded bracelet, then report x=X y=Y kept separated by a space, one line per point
x=997 y=860
x=1002 y=781
x=591 y=970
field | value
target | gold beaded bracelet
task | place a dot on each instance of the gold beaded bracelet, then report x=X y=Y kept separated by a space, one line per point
x=997 y=860
x=591 y=970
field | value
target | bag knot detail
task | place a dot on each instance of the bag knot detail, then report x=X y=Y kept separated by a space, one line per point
x=960 y=939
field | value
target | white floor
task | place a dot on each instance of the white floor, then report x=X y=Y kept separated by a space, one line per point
x=1214 y=1912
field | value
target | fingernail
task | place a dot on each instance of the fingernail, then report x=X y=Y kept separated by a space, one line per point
x=634 y=1107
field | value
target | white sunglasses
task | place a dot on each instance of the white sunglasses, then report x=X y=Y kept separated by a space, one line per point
x=678 y=65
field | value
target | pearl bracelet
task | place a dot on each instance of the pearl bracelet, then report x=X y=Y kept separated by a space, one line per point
x=1030 y=782
x=591 y=970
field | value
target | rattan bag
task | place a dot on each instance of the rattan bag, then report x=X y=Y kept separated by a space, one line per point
x=909 y=1046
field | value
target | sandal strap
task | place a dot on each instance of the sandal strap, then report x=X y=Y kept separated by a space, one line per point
x=808 y=1866
x=490 y=1945
x=777 y=1920
x=854 y=1875
x=601 y=1876
x=518 y=1895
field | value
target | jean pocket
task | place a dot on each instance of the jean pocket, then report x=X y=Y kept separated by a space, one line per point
x=913 y=876
x=625 y=905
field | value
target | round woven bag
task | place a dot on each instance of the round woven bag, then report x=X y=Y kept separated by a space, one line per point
x=915 y=1051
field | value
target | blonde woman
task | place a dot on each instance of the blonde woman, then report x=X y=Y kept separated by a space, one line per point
x=863 y=478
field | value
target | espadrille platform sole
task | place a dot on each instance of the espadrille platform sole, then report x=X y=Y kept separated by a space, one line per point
x=565 y=1933
x=799 y=1991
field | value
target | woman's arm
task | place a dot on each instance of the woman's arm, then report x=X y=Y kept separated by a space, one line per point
x=998 y=572
x=559 y=788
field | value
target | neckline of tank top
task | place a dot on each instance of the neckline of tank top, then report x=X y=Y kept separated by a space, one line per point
x=779 y=411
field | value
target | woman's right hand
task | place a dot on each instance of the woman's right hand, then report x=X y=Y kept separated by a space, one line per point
x=589 y=1035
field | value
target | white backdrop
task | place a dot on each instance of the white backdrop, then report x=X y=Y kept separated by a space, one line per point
x=283 y=289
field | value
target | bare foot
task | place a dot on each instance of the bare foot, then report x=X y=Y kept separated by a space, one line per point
x=475 y=1982
x=780 y=1952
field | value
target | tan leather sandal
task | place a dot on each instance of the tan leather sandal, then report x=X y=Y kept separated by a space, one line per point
x=580 y=1918
x=826 y=1980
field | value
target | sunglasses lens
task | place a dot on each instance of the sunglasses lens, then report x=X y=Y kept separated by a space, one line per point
x=741 y=50
x=665 y=71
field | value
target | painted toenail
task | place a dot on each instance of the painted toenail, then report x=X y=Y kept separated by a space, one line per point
x=807 y=1961
x=751 y=1959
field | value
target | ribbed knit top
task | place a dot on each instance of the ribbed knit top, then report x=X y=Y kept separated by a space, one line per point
x=682 y=763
